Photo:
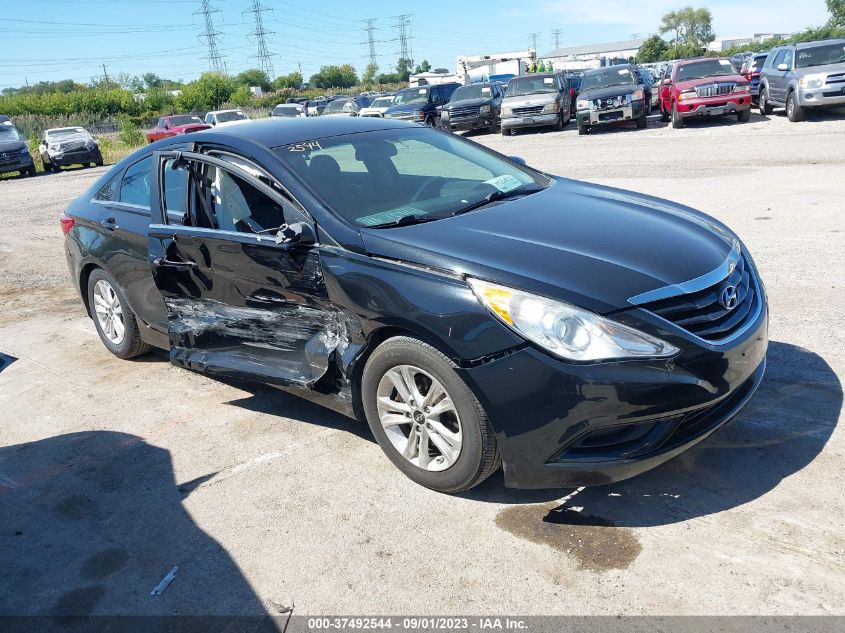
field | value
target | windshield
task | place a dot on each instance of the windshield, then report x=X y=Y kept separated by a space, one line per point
x=531 y=85
x=224 y=117
x=184 y=120
x=338 y=105
x=383 y=102
x=411 y=95
x=9 y=132
x=475 y=91
x=821 y=55
x=757 y=63
x=708 y=68
x=66 y=132
x=378 y=178
x=287 y=111
x=607 y=77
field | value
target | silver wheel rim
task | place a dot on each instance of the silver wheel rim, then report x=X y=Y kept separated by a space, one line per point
x=109 y=312
x=419 y=418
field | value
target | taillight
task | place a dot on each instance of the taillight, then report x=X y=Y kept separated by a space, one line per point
x=572 y=93
x=66 y=222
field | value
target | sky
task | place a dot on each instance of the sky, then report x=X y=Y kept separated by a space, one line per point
x=45 y=40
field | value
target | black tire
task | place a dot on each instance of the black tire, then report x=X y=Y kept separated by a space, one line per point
x=30 y=171
x=677 y=119
x=744 y=116
x=430 y=122
x=765 y=107
x=794 y=111
x=583 y=129
x=505 y=131
x=559 y=123
x=48 y=167
x=664 y=116
x=479 y=455
x=642 y=121
x=131 y=345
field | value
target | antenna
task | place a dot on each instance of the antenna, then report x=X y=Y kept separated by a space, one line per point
x=259 y=38
x=211 y=37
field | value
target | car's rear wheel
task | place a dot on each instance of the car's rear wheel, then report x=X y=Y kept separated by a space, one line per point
x=765 y=107
x=425 y=418
x=114 y=320
x=794 y=111
x=677 y=119
x=744 y=116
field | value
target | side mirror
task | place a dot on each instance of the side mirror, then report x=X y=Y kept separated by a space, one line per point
x=296 y=233
x=518 y=159
x=782 y=68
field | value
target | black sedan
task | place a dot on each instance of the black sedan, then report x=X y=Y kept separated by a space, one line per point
x=473 y=310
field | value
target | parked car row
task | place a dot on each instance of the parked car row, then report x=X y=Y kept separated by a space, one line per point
x=58 y=147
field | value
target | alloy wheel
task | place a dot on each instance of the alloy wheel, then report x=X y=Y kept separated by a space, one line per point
x=419 y=418
x=109 y=312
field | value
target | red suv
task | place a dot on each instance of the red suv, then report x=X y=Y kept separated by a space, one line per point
x=174 y=125
x=702 y=88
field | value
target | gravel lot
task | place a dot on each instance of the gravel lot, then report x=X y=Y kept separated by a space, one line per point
x=113 y=472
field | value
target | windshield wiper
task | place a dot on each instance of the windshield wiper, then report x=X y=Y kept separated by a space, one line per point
x=495 y=196
x=405 y=220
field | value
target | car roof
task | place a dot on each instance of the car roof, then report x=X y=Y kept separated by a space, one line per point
x=276 y=132
x=75 y=128
x=227 y=110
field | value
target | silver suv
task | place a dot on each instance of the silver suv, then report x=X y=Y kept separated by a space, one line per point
x=805 y=75
x=535 y=100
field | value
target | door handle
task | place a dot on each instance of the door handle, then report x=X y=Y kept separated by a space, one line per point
x=163 y=262
x=109 y=223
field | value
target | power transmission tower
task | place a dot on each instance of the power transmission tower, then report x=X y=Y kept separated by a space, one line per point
x=259 y=38
x=371 y=29
x=403 y=27
x=534 y=37
x=556 y=34
x=211 y=37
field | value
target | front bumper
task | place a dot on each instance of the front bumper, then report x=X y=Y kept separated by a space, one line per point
x=601 y=423
x=19 y=163
x=627 y=112
x=469 y=123
x=77 y=157
x=534 y=120
x=714 y=106
x=824 y=96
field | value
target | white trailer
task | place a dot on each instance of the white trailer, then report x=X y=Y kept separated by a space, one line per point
x=480 y=67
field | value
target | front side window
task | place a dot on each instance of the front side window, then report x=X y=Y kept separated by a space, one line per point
x=135 y=187
x=375 y=178
x=778 y=60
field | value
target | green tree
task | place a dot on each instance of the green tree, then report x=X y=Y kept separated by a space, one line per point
x=692 y=29
x=241 y=96
x=837 y=12
x=210 y=91
x=335 y=77
x=423 y=67
x=254 y=77
x=151 y=81
x=652 y=50
x=291 y=80
x=369 y=75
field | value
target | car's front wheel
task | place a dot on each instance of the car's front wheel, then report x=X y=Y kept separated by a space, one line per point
x=425 y=418
x=765 y=107
x=794 y=111
x=677 y=119
x=744 y=116
x=113 y=318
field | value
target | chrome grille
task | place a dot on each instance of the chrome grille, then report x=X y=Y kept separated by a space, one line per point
x=10 y=157
x=837 y=78
x=704 y=312
x=528 y=110
x=610 y=102
x=465 y=112
x=715 y=90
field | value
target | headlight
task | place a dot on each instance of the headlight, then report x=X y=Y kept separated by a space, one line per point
x=582 y=104
x=812 y=81
x=506 y=112
x=444 y=114
x=554 y=106
x=419 y=115
x=686 y=94
x=485 y=109
x=742 y=88
x=567 y=331
x=639 y=93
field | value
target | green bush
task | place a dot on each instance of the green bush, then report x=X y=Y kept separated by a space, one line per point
x=130 y=134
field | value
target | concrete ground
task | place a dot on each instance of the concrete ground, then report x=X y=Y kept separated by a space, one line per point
x=113 y=472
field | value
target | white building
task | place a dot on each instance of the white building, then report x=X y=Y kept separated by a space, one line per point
x=726 y=43
x=593 y=55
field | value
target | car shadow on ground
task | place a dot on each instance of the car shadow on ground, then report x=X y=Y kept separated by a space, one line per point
x=91 y=522
x=782 y=429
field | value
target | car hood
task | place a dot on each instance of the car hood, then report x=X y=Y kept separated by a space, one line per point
x=609 y=91
x=537 y=98
x=235 y=122
x=705 y=81
x=11 y=146
x=191 y=127
x=465 y=103
x=589 y=245
x=406 y=107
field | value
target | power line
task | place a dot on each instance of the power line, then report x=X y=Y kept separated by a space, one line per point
x=259 y=38
x=556 y=34
x=211 y=37
x=371 y=29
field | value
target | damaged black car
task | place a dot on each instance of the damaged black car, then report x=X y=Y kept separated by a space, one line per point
x=476 y=312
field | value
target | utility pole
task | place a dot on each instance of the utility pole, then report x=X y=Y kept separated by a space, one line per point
x=403 y=26
x=556 y=34
x=259 y=38
x=534 y=37
x=105 y=77
x=371 y=29
x=211 y=37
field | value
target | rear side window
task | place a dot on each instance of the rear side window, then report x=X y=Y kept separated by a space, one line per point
x=108 y=192
x=135 y=187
